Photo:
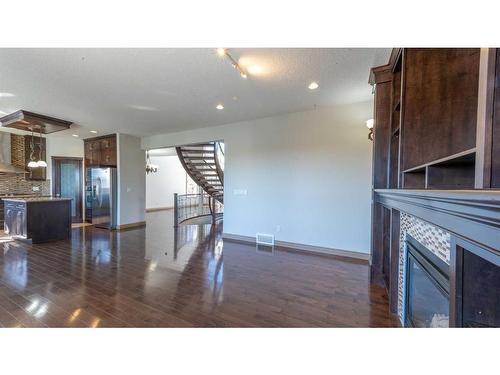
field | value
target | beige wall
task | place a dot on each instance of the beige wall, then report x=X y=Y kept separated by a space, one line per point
x=307 y=175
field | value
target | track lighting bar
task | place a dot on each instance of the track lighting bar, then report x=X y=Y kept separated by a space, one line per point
x=224 y=52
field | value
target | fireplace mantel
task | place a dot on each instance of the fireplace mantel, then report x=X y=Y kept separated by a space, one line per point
x=464 y=225
x=471 y=214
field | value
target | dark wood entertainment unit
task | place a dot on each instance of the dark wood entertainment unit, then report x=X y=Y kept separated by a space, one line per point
x=436 y=164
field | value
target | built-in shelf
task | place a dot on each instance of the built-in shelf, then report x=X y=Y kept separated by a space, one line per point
x=394 y=142
x=397 y=105
x=457 y=173
x=452 y=172
x=459 y=157
x=415 y=179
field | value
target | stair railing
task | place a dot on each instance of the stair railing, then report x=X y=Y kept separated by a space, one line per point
x=219 y=160
x=189 y=206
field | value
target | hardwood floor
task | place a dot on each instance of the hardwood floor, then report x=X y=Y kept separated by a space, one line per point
x=156 y=277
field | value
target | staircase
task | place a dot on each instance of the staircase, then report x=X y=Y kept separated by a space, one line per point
x=202 y=163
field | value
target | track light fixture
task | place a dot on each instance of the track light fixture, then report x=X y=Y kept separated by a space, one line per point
x=223 y=52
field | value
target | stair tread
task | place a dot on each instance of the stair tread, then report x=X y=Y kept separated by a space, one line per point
x=199 y=161
x=198 y=151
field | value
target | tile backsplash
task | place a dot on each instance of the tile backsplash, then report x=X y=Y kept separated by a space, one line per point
x=16 y=184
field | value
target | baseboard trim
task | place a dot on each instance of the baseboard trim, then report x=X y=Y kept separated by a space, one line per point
x=159 y=209
x=302 y=247
x=131 y=225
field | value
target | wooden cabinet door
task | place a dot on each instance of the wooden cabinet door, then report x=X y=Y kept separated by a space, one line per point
x=15 y=219
x=440 y=103
x=92 y=153
x=474 y=285
x=101 y=152
x=88 y=153
x=108 y=152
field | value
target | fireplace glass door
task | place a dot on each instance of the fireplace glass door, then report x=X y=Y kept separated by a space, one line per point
x=427 y=300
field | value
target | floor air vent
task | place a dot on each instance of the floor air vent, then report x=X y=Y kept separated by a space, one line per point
x=264 y=239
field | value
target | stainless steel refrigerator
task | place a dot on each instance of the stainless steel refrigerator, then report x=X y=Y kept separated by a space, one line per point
x=101 y=197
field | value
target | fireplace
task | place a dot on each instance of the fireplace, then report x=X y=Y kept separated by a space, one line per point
x=426 y=287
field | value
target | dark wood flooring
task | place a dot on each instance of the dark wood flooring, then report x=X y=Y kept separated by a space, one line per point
x=158 y=277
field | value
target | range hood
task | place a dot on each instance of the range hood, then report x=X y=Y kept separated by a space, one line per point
x=30 y=121
x=5 y=156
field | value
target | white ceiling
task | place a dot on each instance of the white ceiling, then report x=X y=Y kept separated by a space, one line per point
x=153 y=91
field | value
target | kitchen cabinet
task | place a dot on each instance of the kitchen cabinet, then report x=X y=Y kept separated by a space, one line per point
x=15 y=219
x=101 y=151
x=108 y=152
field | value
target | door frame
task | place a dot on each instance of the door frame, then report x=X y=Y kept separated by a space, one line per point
x=56 y=181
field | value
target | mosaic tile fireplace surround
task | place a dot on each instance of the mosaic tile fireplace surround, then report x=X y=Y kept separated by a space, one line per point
x=431 y=237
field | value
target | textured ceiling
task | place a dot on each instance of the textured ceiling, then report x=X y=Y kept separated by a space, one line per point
x=153 y=91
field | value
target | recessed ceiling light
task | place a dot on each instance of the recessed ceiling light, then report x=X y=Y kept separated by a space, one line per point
x=93 y=131
x=243 y=75
x=75 y=135
x=6 y=95
x=313 y=86
x=219 y=106
x=221 y=51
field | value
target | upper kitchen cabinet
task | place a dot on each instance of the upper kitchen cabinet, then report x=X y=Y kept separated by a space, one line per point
x=101 y=151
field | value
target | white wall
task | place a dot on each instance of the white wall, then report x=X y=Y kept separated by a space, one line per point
x=161 y=186
x=131 y=180
x=308 y=172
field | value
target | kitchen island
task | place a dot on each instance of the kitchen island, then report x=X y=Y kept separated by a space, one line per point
x=39 y=219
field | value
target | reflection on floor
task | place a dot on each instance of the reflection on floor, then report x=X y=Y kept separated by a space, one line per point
x=158 y=277
x=207 y=219
x=80 y=225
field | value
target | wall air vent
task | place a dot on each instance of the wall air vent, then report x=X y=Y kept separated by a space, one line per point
x=264 y=239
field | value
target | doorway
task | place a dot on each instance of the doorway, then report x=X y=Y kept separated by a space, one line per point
x=67 y=182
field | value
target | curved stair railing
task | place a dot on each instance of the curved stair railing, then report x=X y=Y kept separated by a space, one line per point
x=204 y=163
x=190 y=206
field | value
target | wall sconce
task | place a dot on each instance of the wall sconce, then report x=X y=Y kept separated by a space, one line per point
x=369 y=125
